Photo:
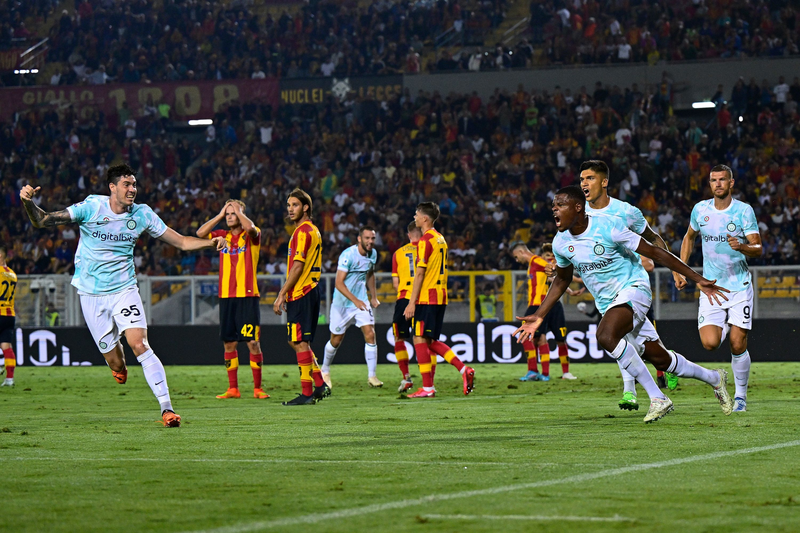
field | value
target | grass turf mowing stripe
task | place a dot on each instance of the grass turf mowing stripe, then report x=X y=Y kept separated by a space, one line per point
x=537 y=518
x=314 y=518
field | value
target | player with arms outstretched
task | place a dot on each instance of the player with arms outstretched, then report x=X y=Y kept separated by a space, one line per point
x=105 y=275
x=299 y=296
x=554 y=322
x=428 y=303
x=729 y=231
x=8 y=288
x=354 y=299
x=239 y=301
x=600 y=249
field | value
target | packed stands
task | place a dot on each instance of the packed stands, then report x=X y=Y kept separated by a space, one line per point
x=492 y=165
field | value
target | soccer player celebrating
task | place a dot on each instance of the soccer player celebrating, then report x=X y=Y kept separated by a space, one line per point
x=403 y=262
x=239 y=309
x=599 y=248
x=8 y=287
x=554 y=321
x=594 y=182
x=105 y=275
x=428 y=302
x=729 y=231
x=355 y=277
x=299 y=296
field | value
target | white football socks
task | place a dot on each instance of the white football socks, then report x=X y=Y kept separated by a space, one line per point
x=628 y=359
x=740 y=364
x=330 y=353
x=371 y=355
x=628 y=381
x=684 y=368
x=156 y=378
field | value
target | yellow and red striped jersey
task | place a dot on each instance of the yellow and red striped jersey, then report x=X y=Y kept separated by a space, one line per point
x=306 y=247
x=537 y=281
x=8 y=287
x=432 y=256
x=403 y=262
x=238 y=264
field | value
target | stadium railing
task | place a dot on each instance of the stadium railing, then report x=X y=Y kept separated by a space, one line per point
x=182 y=300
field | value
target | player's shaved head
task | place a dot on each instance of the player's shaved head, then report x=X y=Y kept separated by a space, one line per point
x=113 y=174
x=574 y=193
x=517 y=244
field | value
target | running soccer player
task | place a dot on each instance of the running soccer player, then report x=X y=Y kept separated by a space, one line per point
x=555 y=322
x=428 y=303
x=239 y=308
x=594 y=182
x=299 y=296
x=600 y=248
x=355 y=277
x=403 y=262
x=105 y=275
x=8 y=287
x=729 y=231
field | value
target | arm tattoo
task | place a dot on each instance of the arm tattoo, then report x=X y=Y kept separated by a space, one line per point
x=42 y=219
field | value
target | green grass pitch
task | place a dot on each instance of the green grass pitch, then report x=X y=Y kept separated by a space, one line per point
x=80 y=453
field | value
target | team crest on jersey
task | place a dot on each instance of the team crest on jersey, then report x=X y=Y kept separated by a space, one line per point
x=571 y=248
x=701 y=319
x=131 y=224
x=731 y=226
x=599 y=249
x=103 y=345
x=705 y=219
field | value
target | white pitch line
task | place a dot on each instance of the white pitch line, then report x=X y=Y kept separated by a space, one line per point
x=537 y=518
x=314 y=518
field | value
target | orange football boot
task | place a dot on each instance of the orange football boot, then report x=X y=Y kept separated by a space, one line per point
x=230 y=393
x=171 y=419
x=259 y=393
x=121 y=377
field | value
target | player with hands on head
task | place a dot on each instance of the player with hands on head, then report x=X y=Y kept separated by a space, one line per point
x=239 y=300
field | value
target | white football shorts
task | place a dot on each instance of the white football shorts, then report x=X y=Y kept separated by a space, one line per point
x=643 y=329
x=344 y=317
x=108 y=315
x=737 y=311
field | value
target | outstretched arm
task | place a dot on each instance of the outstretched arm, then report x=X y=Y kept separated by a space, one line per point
x=188 y=244
x=664 y=258
x=39 y=217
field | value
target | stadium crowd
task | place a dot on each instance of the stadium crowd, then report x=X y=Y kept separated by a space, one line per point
x=135 y=42
x=492 y=165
